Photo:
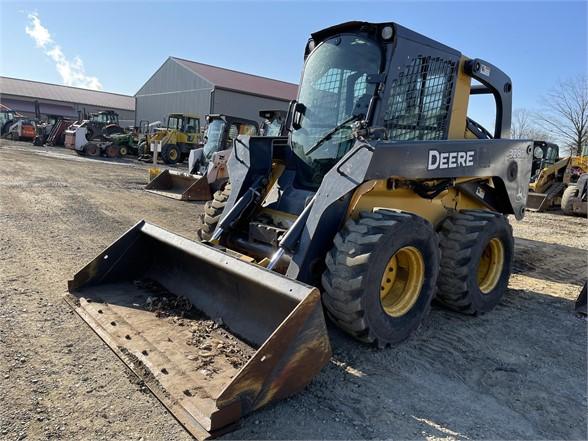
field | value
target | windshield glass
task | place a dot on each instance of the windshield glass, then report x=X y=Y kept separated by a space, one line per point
x=214 y=135
x=272 y=128
x=334 y=90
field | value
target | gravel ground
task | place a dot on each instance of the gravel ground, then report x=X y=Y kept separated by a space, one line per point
x=516 y=373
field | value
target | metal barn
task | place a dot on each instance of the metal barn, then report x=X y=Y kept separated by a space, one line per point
x=55 y=99
x=187 y=86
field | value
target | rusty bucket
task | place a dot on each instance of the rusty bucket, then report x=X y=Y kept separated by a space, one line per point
x=212 y=335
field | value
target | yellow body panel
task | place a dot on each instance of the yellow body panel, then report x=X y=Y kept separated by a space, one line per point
x=459 y=112
x=376 y=194
x=547 y=176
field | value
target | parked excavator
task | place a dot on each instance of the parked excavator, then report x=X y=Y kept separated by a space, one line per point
x=206 y=165
x=381 y=198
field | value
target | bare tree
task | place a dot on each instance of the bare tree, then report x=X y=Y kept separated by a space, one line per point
x=523 y=126
x=564 y=113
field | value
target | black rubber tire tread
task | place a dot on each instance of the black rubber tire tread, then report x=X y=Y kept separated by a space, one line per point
x=93 y=152
x=165 y=154
x=566 y=199
x=212 y=212
x=463 y=237
x=352 y=274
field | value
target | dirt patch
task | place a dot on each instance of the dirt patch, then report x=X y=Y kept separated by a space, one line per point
x=211 y=341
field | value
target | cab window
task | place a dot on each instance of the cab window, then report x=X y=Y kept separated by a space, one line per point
x=192 y=125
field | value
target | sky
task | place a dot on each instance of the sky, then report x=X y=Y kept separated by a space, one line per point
x=117 y=46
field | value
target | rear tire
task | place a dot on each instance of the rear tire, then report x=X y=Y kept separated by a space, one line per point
x=566 y=199
x=476 y=261
x=381 y=276
x=212 y=212
x=112 y=151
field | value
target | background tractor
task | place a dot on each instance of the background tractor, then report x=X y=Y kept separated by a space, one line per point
x=7 y=118
x=181 y=135
x=382 y=197
x=207 y=164
x=552 y=176
x=92 y=136
x=574 y=200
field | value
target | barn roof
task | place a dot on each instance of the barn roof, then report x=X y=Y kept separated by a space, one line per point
x=57 y=92
x=241 y=81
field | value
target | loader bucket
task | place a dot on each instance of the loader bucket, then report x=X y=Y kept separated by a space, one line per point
x=545 y=201
x=182 y=186
x=536 y=201
x=213 y=336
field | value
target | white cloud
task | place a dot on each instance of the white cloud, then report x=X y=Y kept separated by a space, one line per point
x=37 y=31
x=72 y=72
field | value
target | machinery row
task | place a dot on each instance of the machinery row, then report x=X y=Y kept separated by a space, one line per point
x=373 y=195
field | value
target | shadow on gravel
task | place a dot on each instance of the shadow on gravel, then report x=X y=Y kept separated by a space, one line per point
x=496 y=376
x=548 y=261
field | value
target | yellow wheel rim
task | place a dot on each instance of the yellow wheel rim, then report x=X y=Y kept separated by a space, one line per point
x=490 y=266
x=402 y=281
x=173 y=154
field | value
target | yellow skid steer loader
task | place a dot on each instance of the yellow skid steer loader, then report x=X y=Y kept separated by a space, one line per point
x=383 y=195
x=206 y=165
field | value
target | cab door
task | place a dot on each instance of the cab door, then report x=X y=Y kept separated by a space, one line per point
x=192 y=130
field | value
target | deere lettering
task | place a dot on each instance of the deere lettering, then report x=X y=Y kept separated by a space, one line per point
x=450 y=159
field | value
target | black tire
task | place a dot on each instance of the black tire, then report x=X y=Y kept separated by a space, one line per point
x=567 y=199
x=476 y=261
x=123 y=150
x=212 y=212
x=170 y=153
x=91 y=149
x=361 y=255
x=112 y=151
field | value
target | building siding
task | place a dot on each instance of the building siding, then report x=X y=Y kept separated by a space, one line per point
x=173 y=88
x=70 y=110
x=244 y=105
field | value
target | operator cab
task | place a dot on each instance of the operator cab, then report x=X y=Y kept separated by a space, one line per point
x=105 y=117
x=222 y=130
x=273 y=123
x=183 y=123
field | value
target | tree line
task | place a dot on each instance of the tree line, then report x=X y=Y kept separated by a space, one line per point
x=562 y=117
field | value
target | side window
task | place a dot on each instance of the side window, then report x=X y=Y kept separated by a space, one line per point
x=418 y=104
x=233 y=132
x=191 y=125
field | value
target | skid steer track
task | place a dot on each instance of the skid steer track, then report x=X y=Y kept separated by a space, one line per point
x=213 y=336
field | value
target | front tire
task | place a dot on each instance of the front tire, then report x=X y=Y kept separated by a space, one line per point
x=381 y=276
x=567 y=199
x=212 y=212
x=170 y=154
x=476 y=261
x=91 y=149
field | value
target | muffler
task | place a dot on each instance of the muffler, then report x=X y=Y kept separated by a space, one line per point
x=213 y=336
